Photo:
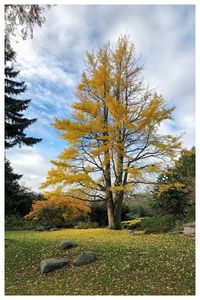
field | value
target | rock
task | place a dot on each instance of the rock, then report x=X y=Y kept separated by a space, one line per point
x=179 y=230
x=51 y=264
x=190 y=224
x=175 y=232
x=85 y=258
x=189 y=230
x=40 y=228
x=131 y=232
x=54 y=229
x=67 y=245
x=135 y=232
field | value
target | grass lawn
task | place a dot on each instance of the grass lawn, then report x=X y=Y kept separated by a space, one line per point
x=156 y=264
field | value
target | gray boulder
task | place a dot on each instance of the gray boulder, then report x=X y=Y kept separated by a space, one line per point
x=55 y=229
x=67 y=245
x=135 y=232
x=41 y=228
x=189 y=231
x=85 y=258
x=51 y=264
x=192 y=224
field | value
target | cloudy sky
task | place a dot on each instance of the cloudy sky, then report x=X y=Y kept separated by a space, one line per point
x=52 y=62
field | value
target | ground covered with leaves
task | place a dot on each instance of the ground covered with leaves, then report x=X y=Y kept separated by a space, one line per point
x=156 y=264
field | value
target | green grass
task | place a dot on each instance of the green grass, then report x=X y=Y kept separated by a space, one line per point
x=156 y=264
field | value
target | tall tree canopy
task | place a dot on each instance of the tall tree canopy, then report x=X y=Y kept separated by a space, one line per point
x=15 y=122
x=113 y=135
x=21 y=19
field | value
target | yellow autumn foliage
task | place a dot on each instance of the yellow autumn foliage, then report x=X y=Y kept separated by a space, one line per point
x=153 y=168
x=116 y=108
x=68 y=154
x=87 y=106
x=119 y=188
x=114 y=130
x=69 y=207
x=168 y=186
x=101 y=149
x=134 y=171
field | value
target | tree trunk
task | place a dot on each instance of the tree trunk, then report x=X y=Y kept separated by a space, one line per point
x=118 y=209
x=110 y=212
x=114 y=211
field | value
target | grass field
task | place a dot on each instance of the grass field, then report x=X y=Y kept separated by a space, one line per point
x=157 y=264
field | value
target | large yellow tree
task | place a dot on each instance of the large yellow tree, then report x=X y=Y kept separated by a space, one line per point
x=113 y=134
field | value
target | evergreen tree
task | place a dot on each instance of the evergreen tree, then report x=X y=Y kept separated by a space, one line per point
x=15 y=123
x=172 y=201
x=186 y=172
x=176 y=200
x=18 y=199
x=12 y=188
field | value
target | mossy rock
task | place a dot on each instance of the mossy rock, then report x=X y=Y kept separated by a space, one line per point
x=85 y=258
x=67 y=245
x=51 y=264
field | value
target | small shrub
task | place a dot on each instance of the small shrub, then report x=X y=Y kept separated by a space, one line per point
x=99 y=214
x=139 y=211
x=158 y=224
x=71 y=223
x=57 y=208
x=16 y=222
x=50 y=215
x=68 y=224
x=132 y=224
x=125 y=212
x=190 y=216
x=131 y=216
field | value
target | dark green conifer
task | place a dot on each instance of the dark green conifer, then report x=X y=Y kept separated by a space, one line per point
x=15 y=122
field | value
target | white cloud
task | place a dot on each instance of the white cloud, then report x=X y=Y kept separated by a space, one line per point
x=162 y=35
x=31 y=163
x=37 y=67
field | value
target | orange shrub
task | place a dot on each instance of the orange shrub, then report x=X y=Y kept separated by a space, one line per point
x=57 y=208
